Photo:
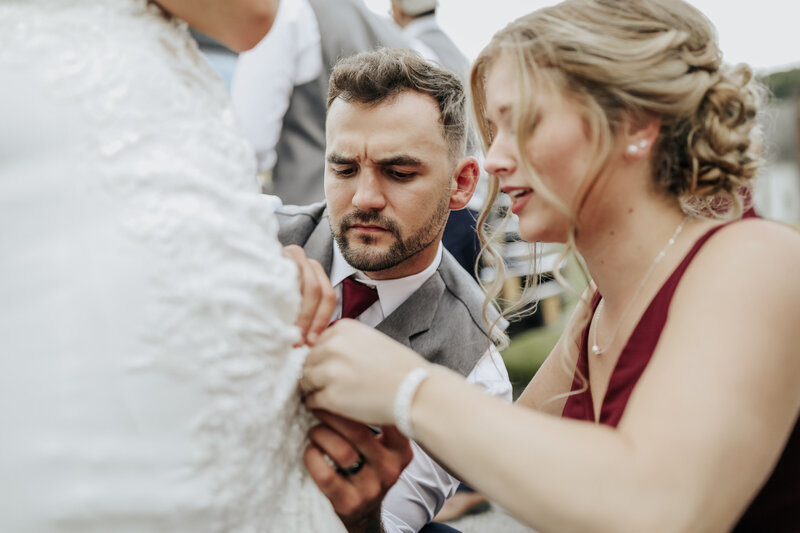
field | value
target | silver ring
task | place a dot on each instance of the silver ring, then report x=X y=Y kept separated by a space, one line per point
x=353 y=469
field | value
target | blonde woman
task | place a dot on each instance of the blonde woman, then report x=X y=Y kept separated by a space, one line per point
x=671 y=401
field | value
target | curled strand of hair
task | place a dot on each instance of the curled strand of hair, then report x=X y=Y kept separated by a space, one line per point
x=490 y=256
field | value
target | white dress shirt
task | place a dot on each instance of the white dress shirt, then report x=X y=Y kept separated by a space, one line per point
x=265 y=76
x=424 y=485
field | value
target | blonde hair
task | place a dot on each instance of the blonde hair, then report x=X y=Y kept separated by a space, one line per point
x=628 y=59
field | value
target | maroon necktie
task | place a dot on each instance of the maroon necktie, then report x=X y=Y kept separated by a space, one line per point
x=356 y=298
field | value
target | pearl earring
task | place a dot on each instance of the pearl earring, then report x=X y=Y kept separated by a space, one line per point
x=634 y=149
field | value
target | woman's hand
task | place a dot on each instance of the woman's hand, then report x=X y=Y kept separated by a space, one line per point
x=354 y=370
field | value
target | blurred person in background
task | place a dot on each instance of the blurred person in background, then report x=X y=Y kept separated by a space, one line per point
x=279 y=88
x=417 y=18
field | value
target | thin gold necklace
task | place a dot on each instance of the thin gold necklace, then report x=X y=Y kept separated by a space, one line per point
x=595 y=347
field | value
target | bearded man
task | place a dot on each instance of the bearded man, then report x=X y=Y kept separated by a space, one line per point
x=395 y=168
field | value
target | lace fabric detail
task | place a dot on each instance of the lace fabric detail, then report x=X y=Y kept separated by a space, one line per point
x=158 y=228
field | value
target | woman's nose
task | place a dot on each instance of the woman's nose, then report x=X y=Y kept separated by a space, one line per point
x=500 y=159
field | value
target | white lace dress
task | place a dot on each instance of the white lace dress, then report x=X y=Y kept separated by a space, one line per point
x=146 y=370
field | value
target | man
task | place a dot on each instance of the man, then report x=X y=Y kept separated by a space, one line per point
x=279 y=88
x=396 y=139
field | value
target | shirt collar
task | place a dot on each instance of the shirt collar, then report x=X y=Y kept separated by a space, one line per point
x=391 y=292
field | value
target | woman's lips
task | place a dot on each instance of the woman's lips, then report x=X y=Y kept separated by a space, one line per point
x=519 y=198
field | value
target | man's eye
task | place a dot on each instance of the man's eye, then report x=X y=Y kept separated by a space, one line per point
x=399 y=175
x=344 y=172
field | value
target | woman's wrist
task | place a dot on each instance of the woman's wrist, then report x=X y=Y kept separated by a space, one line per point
x=404 y=398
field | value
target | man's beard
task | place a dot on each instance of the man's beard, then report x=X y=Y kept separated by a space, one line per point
x=368 y=260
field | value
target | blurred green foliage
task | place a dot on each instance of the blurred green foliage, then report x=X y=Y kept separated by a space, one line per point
x=784 y=85
x=528 y=350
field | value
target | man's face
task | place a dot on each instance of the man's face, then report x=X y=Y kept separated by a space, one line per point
x=388 y=183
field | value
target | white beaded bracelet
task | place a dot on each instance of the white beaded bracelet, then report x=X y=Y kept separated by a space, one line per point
x=403 y=398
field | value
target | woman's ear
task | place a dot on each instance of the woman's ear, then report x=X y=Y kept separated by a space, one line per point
x=640 y=134
x=466 y=178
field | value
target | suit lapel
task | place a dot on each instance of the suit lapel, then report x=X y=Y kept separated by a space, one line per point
x=416 y=314
x=319 y=245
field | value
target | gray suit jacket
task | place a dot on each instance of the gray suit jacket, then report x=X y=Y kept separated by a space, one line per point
x=442 y=320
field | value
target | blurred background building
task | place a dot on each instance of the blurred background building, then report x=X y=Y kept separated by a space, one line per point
x=777 y=191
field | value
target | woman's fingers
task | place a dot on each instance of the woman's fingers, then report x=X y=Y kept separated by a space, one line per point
x=316 y=400
x=355 y=370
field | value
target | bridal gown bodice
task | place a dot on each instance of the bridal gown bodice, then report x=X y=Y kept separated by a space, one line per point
x=146 y=312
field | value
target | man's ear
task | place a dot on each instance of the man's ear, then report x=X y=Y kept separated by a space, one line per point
x=466 y=178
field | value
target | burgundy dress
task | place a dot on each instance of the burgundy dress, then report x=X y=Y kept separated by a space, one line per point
x=776 y=508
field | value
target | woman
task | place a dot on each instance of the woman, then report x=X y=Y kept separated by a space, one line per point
x=146 y=317
x=615 y=128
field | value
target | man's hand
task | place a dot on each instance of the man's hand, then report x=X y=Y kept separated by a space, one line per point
x=319 y=298
x=356 y=497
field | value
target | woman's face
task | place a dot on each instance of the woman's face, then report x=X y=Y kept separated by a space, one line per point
x=558 y=148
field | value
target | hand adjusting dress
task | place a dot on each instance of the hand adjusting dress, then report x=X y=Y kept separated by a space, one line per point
x=145 y=309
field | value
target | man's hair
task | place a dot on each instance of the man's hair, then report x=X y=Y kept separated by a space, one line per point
x=376 y=76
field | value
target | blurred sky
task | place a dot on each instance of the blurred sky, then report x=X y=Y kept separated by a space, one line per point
x=763 y=33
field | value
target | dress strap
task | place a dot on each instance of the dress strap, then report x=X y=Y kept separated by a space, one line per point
x=668 y=289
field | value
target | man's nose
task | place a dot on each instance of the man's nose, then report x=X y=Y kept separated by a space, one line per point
x=369 y=195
